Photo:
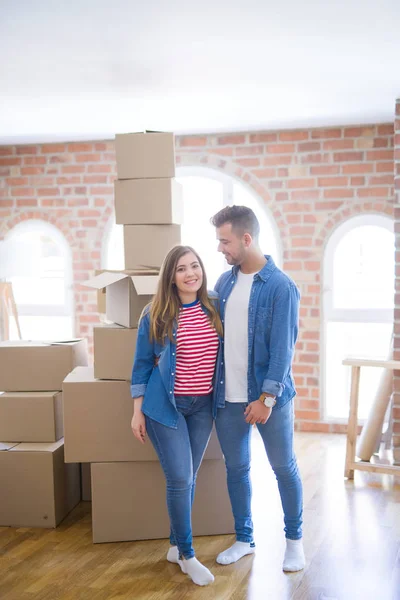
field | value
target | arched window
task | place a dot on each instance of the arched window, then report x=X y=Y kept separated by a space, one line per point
x=358 y=307
x=205 y=192
x=40 y=269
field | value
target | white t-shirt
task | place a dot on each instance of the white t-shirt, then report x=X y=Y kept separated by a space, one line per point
x=236 y=339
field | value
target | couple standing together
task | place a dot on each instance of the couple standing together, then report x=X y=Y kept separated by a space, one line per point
x=225 y=356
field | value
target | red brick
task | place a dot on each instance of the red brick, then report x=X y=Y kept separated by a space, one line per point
x=326 y=133
x=23 y=191
x=357 y=169
x=301 y=230
x=281 y=196
x=231 y=140
x=283 y=159
x=95 y=179
x=11 y=161
x=224 y=151
x=102 y=190
x=68 y=180
x=332 y=181
x=305 y=194
x=99 y=168
x=34 y=160
x=381 y=180
x=72 y=169
x=264 y=173
x=7 y=150
x=17 y=181
x=302 y=242
x=347 y=156
x=293 y=265
x=27 y=202
x=309 y=405
x=53 y=148
x=260 y=138
x=374 y=192
x=325 y=170
x=293 y=136
x=385 y=129
x=48 y=191
x=380 y=155
x=93 y=157
x=52 y=202
x=308 y=415
x=80 y=147
x=27 y=149
x=280 y=148
x=381 y=142
x=301 y=183
x=309 y=147
x=249 y=162
x=328 y=206
x=339 y=193
x=194 y=141
x=249 y=150
x=357 y=181
x=338 y=145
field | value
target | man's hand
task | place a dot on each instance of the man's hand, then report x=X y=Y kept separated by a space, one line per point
x=257 y=412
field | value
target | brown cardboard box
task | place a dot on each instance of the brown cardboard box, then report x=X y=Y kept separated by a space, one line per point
x=127 y=293
x=27 y=366
x=114 y=349
x=145 y=155
x=37 y=488
x=128 y=501
x=86 y=483
x=97 y=422
x=148 y=201
x=31 y=416
x=149 y=244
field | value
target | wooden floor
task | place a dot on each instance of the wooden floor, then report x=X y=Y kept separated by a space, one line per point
x=351 y=535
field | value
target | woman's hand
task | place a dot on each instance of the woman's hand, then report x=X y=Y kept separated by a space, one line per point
x=138 y=423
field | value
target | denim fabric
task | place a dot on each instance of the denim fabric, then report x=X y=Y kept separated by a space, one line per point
x=181 y=451
x=153 y=375
x=234 y=436
x=273 y=326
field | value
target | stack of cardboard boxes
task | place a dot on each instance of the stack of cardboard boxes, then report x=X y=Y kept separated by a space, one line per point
x=127 y=483
x=37 y=488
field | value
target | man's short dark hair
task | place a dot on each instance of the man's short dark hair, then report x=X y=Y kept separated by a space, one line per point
x=242 y=219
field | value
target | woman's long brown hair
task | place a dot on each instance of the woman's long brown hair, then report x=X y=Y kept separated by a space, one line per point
x=164 y=309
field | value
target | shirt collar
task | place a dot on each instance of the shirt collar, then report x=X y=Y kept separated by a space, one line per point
x=265 y=272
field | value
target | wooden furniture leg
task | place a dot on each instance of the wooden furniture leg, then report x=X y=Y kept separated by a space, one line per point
x=352 y=425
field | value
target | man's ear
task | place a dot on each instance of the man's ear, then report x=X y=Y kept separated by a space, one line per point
x=247 y=239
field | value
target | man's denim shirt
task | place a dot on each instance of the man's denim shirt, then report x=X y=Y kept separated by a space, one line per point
x=153 y=374
x=273 y=327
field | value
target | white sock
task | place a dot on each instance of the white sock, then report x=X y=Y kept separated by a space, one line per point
x=232 y=554
x=198 y=573
x=173 y=554
x=294 y=559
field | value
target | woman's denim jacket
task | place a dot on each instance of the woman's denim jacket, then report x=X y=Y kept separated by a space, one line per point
x=153 y=374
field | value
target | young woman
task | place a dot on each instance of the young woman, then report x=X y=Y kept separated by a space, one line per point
x=172 y=385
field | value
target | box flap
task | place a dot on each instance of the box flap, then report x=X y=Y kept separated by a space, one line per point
x=145 y=286
x=7 y=445
x=38 y=446
x=80 y=375
x=101 y=281
x=30 y=395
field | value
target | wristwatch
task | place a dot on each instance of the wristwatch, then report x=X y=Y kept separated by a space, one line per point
x=268 y=401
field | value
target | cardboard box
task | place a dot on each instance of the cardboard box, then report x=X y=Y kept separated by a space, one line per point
x=149 y=244
x=127 y=293
x=101 y=292
x=114 y=350
x=97 y=422
x=86 y=483
x=128 y=501
x=37 y=488
x=145 y=155
x=148 y=201
x=31 y=416
x=27 y=366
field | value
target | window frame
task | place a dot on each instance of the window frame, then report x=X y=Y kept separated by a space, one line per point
x=330 y=314
x=35 y=310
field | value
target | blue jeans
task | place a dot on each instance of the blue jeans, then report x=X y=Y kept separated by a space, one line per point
x=277 y=434
x=180 y=452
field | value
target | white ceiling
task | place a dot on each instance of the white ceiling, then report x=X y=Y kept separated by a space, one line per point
x=86 y=69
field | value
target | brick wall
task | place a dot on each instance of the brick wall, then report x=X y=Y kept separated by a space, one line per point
x=311 y=180
x=396 y=396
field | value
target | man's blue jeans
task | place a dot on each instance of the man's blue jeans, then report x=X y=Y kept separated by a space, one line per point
x=180 y=452
x=277 y=434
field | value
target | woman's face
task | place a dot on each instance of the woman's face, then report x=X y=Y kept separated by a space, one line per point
x=188 y=274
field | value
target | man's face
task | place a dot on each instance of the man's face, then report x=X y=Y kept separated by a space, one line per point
x=232 y=245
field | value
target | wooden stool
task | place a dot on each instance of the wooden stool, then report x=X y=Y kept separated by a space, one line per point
x=362 y=465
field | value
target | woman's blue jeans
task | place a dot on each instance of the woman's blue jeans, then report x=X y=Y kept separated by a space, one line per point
x=180 y=452
x=234 y=436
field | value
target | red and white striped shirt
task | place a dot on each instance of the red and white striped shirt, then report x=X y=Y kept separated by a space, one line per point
x=196 y=352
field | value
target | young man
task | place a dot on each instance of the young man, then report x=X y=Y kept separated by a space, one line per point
x=259 y=310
